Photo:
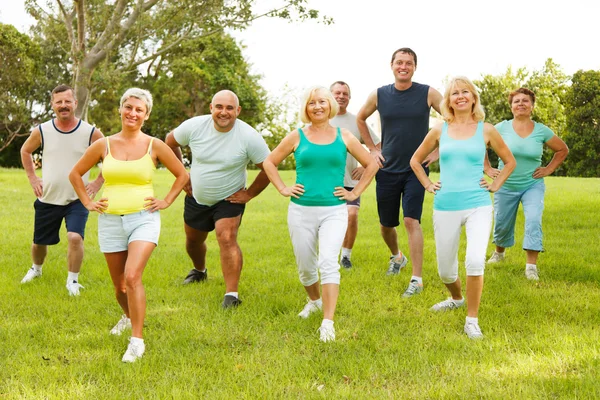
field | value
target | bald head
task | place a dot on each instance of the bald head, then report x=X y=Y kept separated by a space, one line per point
x=226 y=96
x=225 y=108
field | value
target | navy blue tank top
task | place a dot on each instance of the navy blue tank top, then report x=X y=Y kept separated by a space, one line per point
x=404 y=118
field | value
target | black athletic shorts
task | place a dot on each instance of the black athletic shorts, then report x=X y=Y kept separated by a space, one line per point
x=49 y=217
x=203 y=218
x=394 y=188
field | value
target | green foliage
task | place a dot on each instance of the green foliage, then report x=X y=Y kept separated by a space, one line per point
x=550 y=86
x=542 y=338
x=583 y=124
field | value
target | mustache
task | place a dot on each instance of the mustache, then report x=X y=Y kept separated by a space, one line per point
x=64 y=109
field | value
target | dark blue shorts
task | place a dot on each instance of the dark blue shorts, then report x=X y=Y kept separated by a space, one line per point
x=356 y=202
x=203 y=218
x=393 y=188
x=48 y=218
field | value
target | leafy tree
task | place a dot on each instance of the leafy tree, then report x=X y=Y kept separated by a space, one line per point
x=19 y=73
x=583 y=124
x=137 y=33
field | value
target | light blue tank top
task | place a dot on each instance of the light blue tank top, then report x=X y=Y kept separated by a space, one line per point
x=461 y=169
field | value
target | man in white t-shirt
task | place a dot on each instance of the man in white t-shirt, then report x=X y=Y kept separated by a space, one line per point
x=221 y=146
x=347 y=120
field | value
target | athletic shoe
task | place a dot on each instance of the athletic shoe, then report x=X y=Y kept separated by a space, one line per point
x=195 y=276
x=73 y=288
x=327 y=333
x=230 y=301
x=346 y=263
x=448 y=304
x=473 y=330
x=531 y=273
x=119 y=328
x=134 y=351
x=414 y=287
x=496 y=257
x=396 y=265
x=31 y=275
x=311 y=307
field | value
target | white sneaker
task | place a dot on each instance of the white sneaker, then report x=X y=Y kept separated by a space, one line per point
x=31 y=274
x=496 y=257
x=311 y=307
x=531 y=273
x=448 y=304
x=73 y=288
x=134 y=351
x=119 y=328
x=327 y=333
x=473 y=330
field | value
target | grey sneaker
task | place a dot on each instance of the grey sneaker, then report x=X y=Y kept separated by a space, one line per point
x=496 y=257
x=195 y=276
x=396 y=265
x=473 y=330
x=531 y=273
x=448 y=304
x=346 y=263
x=230 y=301
x=73 y=288
x=414 y=287
x=134 y=351
x=31 y=274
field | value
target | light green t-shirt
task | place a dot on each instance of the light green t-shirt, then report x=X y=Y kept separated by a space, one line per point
x=527 y=151
x=219 y=159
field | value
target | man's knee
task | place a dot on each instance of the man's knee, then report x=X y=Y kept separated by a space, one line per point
x=412 y=224
x=74 y=239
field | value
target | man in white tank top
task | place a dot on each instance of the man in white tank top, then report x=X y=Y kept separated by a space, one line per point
x=63 y=139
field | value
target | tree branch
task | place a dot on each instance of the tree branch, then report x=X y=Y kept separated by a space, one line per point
x=79 y=8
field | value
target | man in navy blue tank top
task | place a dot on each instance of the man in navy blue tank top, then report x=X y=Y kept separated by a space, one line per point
x=404 y=108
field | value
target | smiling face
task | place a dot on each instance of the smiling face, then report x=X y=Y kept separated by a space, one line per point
x=64 y=104
x=461 y=98
x=133 y=113
x=341 y=94
x=318 y=107
x=224 y=109
x=521 y=105
x=403 y=67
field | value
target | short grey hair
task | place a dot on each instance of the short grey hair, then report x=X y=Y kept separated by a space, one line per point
x=141 y=94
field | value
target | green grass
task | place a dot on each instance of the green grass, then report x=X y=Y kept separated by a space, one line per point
x=542 y=339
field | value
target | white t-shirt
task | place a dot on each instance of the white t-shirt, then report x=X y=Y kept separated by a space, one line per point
x=348 y=121
x=219 y=159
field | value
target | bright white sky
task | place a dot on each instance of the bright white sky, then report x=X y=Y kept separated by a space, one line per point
x=461 y=37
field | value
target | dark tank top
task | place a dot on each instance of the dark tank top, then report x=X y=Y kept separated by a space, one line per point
x=404 y=118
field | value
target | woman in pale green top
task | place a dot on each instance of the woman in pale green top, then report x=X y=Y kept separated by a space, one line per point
x=526 y=139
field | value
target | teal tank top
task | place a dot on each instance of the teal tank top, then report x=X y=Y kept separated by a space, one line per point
x=320 y=168
x=461 y=169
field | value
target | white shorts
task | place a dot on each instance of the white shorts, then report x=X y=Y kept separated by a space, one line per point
x=115 y=232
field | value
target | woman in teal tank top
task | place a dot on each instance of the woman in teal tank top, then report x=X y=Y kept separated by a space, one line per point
x=526 y=139
x=461 y=196
x=317 y=214
x=129 y=225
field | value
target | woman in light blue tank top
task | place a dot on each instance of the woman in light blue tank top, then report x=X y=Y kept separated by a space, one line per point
x=317 y=214
x=526 y=139
x=461 y=195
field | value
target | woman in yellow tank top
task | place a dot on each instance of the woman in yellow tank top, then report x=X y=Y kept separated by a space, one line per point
x=129 y=222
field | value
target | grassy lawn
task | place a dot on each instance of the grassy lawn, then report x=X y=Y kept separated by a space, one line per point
x=542 y=339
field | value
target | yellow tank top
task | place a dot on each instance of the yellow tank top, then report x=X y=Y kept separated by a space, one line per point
x=127 y=183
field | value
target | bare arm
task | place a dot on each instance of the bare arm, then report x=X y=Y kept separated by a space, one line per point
x=430 y=143
x=561 y=151
x=283 y=149
x=361 y=121
x=167 y=158
x=94 y=187
x=91 y=157
x=362 y=156
x=33 y=142
x=243 y=196
x=494 y=139
x=434 y=99
x=176 y=149
x=488 y=169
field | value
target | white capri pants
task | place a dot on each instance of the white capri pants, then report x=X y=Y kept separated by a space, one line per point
x=317 y=235
x=447 y=226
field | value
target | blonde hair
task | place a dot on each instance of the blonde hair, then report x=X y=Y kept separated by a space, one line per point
x=448 y=112
x=140 y=94
x=333 y=105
